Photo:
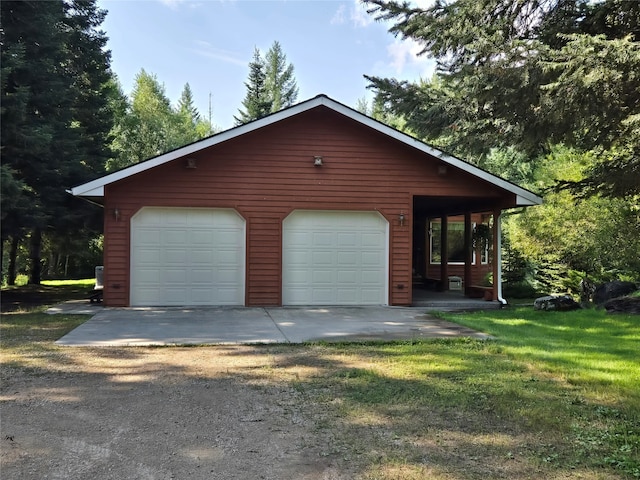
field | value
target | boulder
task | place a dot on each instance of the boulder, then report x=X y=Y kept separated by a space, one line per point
x=614 y=289
x=556 y=302
x=623 y=305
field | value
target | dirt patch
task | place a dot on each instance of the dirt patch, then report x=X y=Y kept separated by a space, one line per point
x=159 y=413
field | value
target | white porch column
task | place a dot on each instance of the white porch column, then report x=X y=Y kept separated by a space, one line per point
x=497 y=257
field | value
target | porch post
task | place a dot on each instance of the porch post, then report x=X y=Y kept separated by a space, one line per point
x=468 y=252
x=444 y=254
x=497 y=257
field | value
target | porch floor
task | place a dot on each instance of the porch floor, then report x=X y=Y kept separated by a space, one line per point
x=449 y=300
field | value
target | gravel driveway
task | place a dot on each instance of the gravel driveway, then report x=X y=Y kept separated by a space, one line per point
x=146 y=413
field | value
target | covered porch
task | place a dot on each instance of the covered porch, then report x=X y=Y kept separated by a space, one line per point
x=456 y=252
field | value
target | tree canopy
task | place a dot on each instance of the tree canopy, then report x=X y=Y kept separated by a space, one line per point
x=148 y=125
x=55 y=115
x=271 y=85
x=529 y=74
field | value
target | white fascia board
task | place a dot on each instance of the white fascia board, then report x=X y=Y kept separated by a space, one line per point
x=523 y=197
x=95 y=188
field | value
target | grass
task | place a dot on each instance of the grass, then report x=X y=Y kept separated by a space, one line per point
x=27 y=333
x=555 y=395
x=30 y=297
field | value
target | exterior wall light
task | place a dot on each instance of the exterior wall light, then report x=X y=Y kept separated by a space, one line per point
x=191 y=163
x=116 y=214
x=317 y=161
x=401 y=219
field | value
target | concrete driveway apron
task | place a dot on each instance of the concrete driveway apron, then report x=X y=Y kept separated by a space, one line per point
x=245 y=325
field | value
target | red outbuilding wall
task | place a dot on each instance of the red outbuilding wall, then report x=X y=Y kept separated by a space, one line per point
x=268 y=173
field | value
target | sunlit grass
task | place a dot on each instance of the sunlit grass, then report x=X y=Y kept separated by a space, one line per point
x=89 y=282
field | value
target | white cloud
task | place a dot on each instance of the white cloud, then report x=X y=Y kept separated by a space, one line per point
x=205 y=49
x=404 y=55
x=339 y=17
x=359 y=15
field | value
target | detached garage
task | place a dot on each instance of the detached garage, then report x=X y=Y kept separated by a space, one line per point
x=314 y=205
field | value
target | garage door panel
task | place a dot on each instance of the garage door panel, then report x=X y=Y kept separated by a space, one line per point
x=347 y=277
x=298 y=276
x=371 y=239
x=147 y=236
x=202 y=237
x=371 y=258
x=346 y=240
x=347 y=295
x=347 y=258
x=334 y=258
x=322 y=296
x=202 y=257
x=322 y=258
x=182 y=256
x=322 y=276
x=150 y=256
x=323 y=239
x=175 y=257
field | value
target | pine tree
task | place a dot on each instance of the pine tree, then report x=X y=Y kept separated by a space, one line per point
x=280 y=83
x=256 y=102
x=191 y=125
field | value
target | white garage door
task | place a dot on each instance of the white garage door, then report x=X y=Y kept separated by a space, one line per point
x=334 y=258
x=187 y=256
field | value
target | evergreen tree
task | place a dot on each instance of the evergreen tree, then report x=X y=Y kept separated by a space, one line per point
x=256 y=102
x=271 y=85
x=527 y=74
x=192 y=126
x=280 y=83
x=54 y=118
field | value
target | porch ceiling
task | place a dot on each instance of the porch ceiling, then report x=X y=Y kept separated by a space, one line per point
x=437 y=206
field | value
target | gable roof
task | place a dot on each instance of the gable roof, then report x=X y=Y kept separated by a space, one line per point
x=95 y=188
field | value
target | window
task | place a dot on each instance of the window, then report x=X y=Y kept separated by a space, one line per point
x=455 y=242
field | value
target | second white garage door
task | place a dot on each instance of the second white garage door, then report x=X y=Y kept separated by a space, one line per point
x=187 y=256
x=334 y=258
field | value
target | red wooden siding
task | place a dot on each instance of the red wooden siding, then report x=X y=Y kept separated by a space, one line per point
x=268 y=173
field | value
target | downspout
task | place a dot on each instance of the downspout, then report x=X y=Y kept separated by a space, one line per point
x=497 y=282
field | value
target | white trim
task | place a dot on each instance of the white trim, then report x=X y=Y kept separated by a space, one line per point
x=95 y=188
x=498 y=258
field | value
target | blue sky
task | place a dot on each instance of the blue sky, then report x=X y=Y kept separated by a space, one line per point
x=209 y=44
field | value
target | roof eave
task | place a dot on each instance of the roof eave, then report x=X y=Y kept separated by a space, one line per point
x=96 y=187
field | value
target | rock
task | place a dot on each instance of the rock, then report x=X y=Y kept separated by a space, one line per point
x=614 y=289
x=623 y=305
x=556 y=302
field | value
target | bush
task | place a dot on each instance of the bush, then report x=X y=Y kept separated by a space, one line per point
x=518 y=290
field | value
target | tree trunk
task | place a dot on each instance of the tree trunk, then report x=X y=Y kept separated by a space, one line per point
x=13 y=253
x=34 y=254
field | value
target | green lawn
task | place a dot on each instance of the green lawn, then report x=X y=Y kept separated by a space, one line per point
x=554 y=395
